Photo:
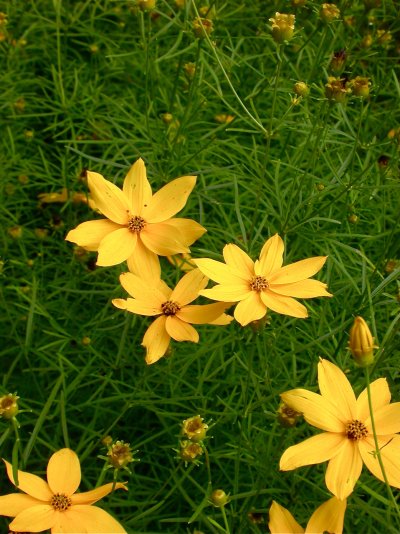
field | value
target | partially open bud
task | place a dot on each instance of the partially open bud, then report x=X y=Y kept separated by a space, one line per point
x=329 y=12
x=189 y=451
x=361 y=342
x=301 y=89
x=282 y=27
x=120 y=454
x=9 y=405
x=219 y=498
x=360 y=86
x=287 y=417
x=337 y=90
x=201 y=26
x=338 y=61
x=194 y=428
x=146 y=5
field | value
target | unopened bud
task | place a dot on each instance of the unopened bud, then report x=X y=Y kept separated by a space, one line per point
x=329 y=12
x=360 y=86
x=338 y=61
x=282 y=27
x=9 y=405
x=219 y=498
x=201 y=26
x=301 y=89
x=146 y=5
x=361 y=342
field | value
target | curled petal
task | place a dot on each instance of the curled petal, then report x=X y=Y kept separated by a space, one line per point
x=30 y=484
x=250 y=309
x=238 y=261
x=34 y=519
x=344 y=469
x=181 y=331
x=306 y=289
x=335 y=388
x=116 y=247
x=300 y=270
x=281 y=521
x=284 y=305
x=64 y=472
x=143 y=262
x=203 y=314
x=328 y=517
x=188 y=287
x=137 y=188
x=108 y=198
x=315 y=450
x=156 y=340
x=380 y=395
x=169 y=199
x=161 y=239
x=92 y=496
x=271 y=256
x=91 y=233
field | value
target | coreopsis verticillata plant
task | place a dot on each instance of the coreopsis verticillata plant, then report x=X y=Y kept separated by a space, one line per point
x=328 y=517
x=140 y=226
x=348 y=439
x=175 y=316
x=264 y=283
x=54 y=504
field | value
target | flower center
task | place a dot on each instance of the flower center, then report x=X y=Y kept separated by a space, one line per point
x=170 y=307
x=259 y=283
x=136 y=224
x=356 y=430
x=60 y=502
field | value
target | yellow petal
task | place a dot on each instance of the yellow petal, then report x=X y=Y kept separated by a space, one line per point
x=143 y=262
x=387 y=420
x=88 y=519
x=169 y=199
x=306 y=289
x=314 y=450
x=161 y=239
x=139 y=307
x=109 y=198
x=90 y=233
x=181 y=331
x=187 y=231
x=202 y=314
x=140 y=289
x=390 y=454
x=156 y=340
x=92 y=496
x=136 y=187
x=14 y=503
x=284 y=305
x=271 y=256
x=328 y=517
x=188 y=287
x=227 y=293
x=316 y=409
x=238 y=261
x=297 y=271
x=30 y=484
x=344 y=469
x=380 y=395
x=250 y=309
x=281 y=521
x=116 y=247
x=34 y=519
x=221 y=273
x=222 y=320
x=337 y=390
x=64 y=472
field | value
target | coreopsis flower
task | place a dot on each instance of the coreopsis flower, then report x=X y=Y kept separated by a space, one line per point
x=328 y=517
x=262 y=284
x=54 y=504
x=348 y=440
x=172 y=306
x=361 y=342
x=140 y=226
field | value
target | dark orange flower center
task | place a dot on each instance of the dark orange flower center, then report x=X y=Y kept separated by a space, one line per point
x=170 y=307
x=356 y=430
x=259 y=283
x=136 y=224
x=60 y=502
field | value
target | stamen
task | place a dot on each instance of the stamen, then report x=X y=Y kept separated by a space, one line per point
x=259 y=283
x=356 y=430
x=170 y=307
x=136 y=224
x=60 y=502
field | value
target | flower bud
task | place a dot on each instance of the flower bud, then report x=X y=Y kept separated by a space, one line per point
x=9 y=405
x=301 y=89
x=201 y=26
x=337 y=90
x=282 y=27
x=189 y=451
x=120 y=454
x=329 y=12
x=194 y=428
x=360 y=86
x=338 y=61
x=219 y=498
x=146 y=5
x=361 y=342
x=287 y=417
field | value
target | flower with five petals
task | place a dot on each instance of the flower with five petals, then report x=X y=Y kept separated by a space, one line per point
x=348 y=440
x=264 y=283
x=140 y=226
x=54 y=504
x=175 y=314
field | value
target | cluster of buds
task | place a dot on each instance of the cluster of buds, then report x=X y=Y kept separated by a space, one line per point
x=361 y=342
x=282 y=27
x=9 y=406
x=338 y=89
x=194 y=431
x=119 y=454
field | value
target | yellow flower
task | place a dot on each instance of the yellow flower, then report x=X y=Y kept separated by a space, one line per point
x=328 y=517
x=139 y=225
x=263 y=284
x=175 y=316
x=55 y=504
x=348 y=439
